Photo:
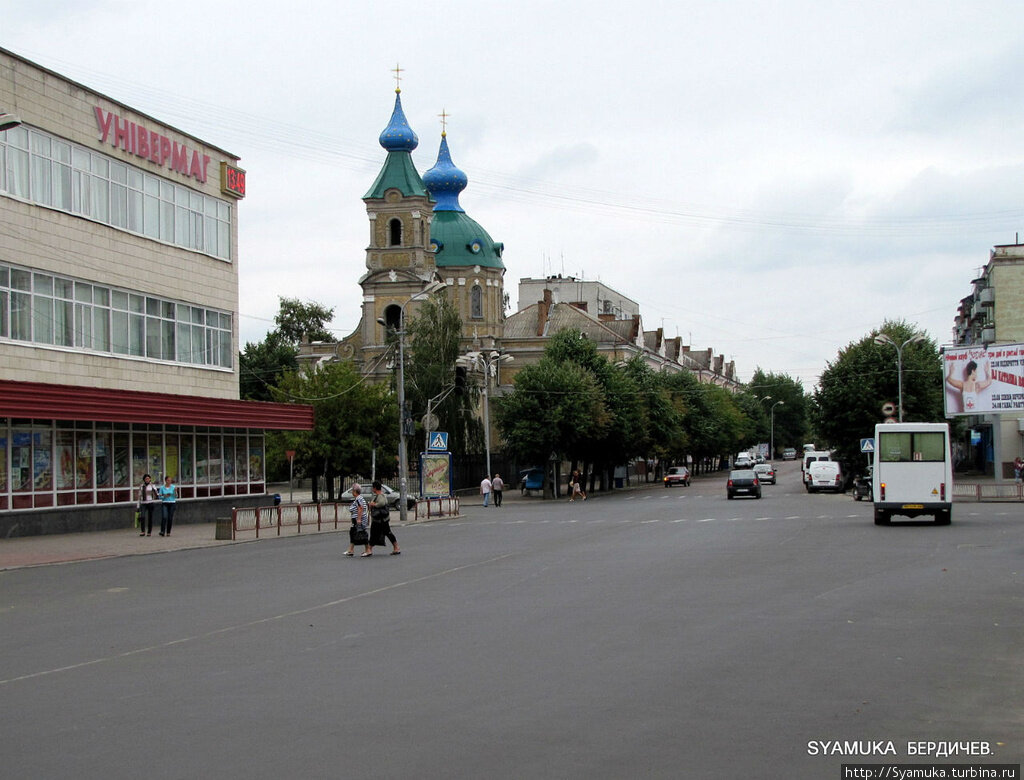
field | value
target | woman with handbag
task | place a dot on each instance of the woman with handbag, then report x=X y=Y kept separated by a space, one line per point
x=359 y=532
x=379 y=517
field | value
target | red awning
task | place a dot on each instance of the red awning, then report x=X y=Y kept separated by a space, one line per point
x=63 y=402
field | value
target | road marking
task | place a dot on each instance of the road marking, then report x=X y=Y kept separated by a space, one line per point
x=681 y=520
x=252 y=623
x=644 y=522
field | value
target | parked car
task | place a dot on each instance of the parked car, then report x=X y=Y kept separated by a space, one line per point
x=531 y=479
x=825 y=475
x=789 y=453
x=765 y=473
x=677 y=475
x=743 y=482
x=743 y=461
x=393 y=496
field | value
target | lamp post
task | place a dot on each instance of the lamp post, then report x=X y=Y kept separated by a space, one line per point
x=488 y=363
x=8 y=121
x=777 y=403
x=882 y=338
x=403 y=455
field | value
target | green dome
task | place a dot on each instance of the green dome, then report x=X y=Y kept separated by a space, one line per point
x=459 y=240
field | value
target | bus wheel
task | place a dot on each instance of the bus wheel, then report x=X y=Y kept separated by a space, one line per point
x=882 y=517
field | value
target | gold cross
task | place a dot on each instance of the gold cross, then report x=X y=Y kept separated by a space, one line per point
x=444 y=121
x=398 y=77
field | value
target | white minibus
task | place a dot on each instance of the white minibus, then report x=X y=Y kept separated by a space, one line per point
x=913 y=472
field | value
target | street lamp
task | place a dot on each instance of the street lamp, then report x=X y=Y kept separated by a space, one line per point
x=8 y=121
x=882 y=338
x=488 y=363
x=403 y=455
x=777 y=403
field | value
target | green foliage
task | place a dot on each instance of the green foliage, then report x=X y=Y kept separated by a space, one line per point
x=432 y=349
x=347 y=415
x=791 y=428
x=554 y=407
x=297 y=321
x=261 y=366
x=863 y=377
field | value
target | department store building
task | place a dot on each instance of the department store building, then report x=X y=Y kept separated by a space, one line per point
x=118 y=313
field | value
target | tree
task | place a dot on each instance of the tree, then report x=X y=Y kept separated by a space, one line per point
x=863 y=377
x=298 y=322
x=791 y=415
x=349 y=417
x=261 y=365
x=433 y=347
x=552 y=408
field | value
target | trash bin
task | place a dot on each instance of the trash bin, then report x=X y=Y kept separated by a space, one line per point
x=277 y=499
x=223 y=529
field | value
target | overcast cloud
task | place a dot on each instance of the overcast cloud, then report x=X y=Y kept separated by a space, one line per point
x=769 y=179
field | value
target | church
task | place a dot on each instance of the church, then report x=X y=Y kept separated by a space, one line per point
x=422 y=239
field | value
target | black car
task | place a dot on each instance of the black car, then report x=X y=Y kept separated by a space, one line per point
x=743 y=482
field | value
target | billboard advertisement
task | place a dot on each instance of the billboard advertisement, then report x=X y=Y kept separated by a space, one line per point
x=983 y=380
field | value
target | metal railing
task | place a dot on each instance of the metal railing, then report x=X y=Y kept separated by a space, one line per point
x=988 y=491
x=271 y=520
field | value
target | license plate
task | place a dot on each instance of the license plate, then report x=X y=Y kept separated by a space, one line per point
x=913 y=506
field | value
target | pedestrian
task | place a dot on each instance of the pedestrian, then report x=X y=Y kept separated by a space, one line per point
x=380 y=520
x=485 y=488
x=497 y=486
x=1018 y=470
x=149 y=495
x=576 y=483
x=168 y=500
x=359 y=532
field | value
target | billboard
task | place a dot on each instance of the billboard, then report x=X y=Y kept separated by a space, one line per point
x=983 y=380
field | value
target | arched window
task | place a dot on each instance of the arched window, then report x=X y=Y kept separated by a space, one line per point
x=395 y=232
x=393 y=316
x=476 y=302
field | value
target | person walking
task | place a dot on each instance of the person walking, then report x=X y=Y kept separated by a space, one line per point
x=1018 y=470
x=497 y=487
x=485 y=489
x=380 y=520
x=168 y=501
x=149 y=496
x=576 y=484
x=359 y=532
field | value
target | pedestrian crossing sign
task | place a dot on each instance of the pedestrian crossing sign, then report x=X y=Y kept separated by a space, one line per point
x=867 y=445
x=438 y=441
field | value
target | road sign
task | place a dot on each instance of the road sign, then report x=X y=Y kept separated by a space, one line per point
x=888 y=408
x=867 y=445
x=290 y=454
x=438 y=442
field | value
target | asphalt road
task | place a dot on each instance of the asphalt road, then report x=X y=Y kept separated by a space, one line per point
x=658 y=633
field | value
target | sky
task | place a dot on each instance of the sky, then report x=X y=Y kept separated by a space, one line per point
x=772 y=180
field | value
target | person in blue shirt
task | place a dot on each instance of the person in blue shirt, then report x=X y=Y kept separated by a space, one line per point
x=168 y=496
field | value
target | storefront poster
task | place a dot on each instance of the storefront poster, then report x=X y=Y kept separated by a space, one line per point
x=983 y=380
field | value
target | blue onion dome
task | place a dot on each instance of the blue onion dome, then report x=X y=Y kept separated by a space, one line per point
x=445 y=181
x=398 y=136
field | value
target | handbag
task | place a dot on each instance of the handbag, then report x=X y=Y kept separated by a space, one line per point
x=379 y=511
x=138 y=517
x=358 y=535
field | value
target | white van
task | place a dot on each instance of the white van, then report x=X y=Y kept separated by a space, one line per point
x=810 y=457
x=825 y=475
x=913 y=472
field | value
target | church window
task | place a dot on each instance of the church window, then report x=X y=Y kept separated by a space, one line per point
x=395 y=232
x=476 y=302
x=393 y=316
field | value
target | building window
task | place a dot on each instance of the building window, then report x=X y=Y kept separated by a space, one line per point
x=393 y=317
x=395 y=232
x=476 y=302
x=45 y=309
x=46 y=170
